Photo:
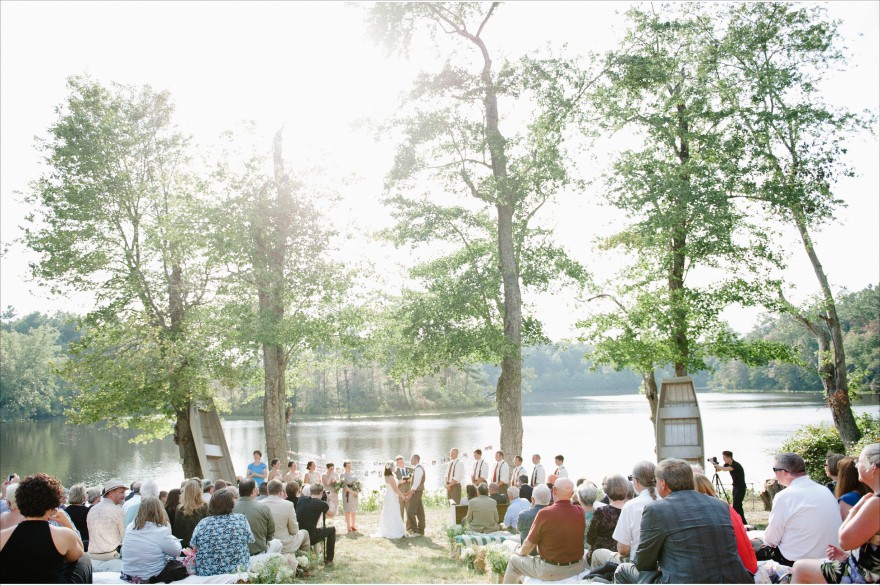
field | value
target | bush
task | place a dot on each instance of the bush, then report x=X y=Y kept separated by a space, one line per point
x=814 y=442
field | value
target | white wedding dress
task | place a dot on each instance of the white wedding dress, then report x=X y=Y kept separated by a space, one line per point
x=390 y=523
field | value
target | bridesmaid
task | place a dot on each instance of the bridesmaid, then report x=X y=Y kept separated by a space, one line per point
x=350 y=496
x=274 y=470
x=312 y=475
x=292 y=473
x=328 y=479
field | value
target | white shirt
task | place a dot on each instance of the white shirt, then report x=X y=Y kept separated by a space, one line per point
x=501 y=473
x=144 y=549
x=804 y=520
x=480 y=469
x=561 y=472
x=456 y=471
x=538 y=475
x=517 y=472
x=629 y=526
x=106 y=523
x=135 y=500
x=417 y=475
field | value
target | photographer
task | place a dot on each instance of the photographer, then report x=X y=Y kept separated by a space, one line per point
x=738 y=476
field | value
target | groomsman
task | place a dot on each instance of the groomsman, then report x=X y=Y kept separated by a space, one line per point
x=561 y=472
x=501 y=473
x=518 y=471
x=538 y=474
x=480 y=474
x=404 y=481
x=454 y=477
x=415 y=509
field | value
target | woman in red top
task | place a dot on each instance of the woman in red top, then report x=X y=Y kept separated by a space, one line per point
x=743 y=544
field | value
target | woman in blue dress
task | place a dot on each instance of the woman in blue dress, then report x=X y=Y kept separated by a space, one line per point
x=220 y=541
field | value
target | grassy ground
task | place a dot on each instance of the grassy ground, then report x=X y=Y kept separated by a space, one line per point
x=361 y=559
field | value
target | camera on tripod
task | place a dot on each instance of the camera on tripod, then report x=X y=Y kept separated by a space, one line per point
x=713 y=459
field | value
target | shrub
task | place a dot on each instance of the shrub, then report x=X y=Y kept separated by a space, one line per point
x=814 y=442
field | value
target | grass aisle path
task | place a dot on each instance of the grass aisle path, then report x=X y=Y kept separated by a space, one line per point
x=360 y=559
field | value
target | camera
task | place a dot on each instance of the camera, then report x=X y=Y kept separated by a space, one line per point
x=713 y=459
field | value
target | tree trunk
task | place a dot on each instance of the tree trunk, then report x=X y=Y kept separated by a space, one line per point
x=678 y=241
x=832 y=358
x=274 y=399
x=649 y=385
x=189 y=457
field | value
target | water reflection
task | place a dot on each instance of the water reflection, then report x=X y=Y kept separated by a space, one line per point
x=597 y=435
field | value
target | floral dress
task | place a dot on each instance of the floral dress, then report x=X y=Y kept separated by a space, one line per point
x=222 y=544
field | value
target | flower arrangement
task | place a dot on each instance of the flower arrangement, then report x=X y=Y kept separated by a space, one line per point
x=453 y=532
x=355 y=486
x=497 y=557
x=480 y=560
x=338 y=485
x=272 y=570
x=468 y=555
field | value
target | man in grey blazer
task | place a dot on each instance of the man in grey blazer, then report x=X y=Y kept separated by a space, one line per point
x=688 y=534
x=482 y=515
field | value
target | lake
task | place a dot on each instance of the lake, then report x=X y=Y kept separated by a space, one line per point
x=598 y=435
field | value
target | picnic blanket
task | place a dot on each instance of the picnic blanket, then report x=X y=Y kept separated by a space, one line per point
x=473 y=539
x=113 y=578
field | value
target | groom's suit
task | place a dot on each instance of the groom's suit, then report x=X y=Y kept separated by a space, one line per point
x=415 y=509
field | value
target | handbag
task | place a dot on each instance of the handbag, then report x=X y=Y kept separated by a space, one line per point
x=173 y=571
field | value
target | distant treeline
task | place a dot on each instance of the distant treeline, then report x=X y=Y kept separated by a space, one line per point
x=334 y=385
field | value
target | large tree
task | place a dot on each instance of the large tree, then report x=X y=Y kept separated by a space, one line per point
x=503 y=165
x=693 y=247
x=772 y=59
x=286 y=293
x=118 y=215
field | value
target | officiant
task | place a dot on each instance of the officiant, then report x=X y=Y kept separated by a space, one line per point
x=404 y=481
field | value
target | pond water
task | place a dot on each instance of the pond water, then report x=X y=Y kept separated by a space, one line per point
x=598 y=435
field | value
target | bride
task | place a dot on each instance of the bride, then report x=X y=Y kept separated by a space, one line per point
x=390 y=523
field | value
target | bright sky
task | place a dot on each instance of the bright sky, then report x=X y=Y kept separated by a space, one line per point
x=312 y=66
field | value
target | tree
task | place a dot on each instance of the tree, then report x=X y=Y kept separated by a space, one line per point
x=772 y=58
x=286 y=294
x=119 y=215
x=485 y=250
x=28 y=385
x=679 y=189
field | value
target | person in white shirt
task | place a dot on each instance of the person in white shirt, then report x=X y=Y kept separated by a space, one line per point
x=148 y=540
x=480 y=473
x=415 y=508
x=106 y=522
x=132 y=499
x=628 y=531
x=501 y=472
x=538 y=474
x=804 y=519
x=454 y=477
x=561 y=472
x=518 y=471
x=517 y=506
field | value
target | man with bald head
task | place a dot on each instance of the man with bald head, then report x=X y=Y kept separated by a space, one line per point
x=558 y=533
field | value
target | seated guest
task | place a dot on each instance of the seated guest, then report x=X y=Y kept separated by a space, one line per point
x=93 y=495
x=482 y=513
x=831 y=461
x=525 y=491
x=77 y=510
x=849 y=488
x=689 y=535
x=191 y=510
x=601 y=532
x=803 y=520
x=308 y=511
x=525 y=520
x=220 y=484
x=501 y=499
x=13 y=516
x=163 y=496
x=857 y=560
x=35 y=552
x=106 y=523
x=628 y=530
x=171 y=504
x=743 y=545
x=558 y=534
x=148 y=488
x=287 y=529
x=207 y=490
x=4 y=501
x=258 y=515
x=220 y=540
x=148 y=542
x=470 y=492
x=262 y=492
x=291 y=489
x=586 y=494
x=517 y=505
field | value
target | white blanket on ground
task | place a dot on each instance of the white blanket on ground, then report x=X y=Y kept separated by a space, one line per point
x=570 y=580
x=113 y=578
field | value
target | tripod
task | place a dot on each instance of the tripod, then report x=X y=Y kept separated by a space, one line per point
x=719 y=488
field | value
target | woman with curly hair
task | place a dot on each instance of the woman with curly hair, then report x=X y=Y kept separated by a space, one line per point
x=35 y=552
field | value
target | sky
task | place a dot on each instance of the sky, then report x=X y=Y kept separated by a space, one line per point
x=313 y=67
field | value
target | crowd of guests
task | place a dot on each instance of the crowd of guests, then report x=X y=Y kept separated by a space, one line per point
x=50 y=535
x=664 y=523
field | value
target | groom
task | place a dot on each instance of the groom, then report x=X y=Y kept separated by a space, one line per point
x=415 y=509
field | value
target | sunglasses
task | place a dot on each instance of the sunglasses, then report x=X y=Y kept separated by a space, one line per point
x=780 y=470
